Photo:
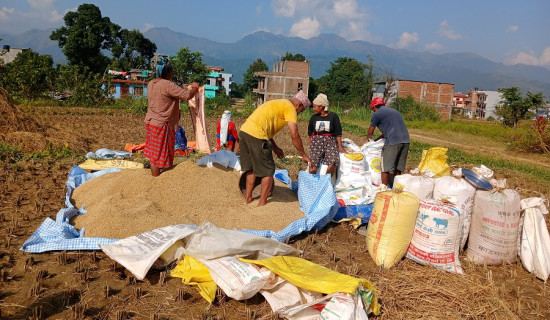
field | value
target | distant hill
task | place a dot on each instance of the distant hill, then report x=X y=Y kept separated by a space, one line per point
x=466 y=70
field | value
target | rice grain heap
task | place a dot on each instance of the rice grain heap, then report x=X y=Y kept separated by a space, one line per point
x=130 y=202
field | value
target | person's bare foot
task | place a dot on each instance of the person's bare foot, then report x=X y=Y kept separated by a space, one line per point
x=247 y=201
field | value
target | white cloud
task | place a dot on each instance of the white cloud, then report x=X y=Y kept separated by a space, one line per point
x=447 y=32
x=147 y=26
x=530 y=58
x=306 y=28
x=55 y=16
x=434 y=46
x=406 y=39
x=5 y=13
x=512 y=29
x=285 y=8
x=344 y=17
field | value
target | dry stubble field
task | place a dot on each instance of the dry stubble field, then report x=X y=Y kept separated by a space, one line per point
x=75 y=285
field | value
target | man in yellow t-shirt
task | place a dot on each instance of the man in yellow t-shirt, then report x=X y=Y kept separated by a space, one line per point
x=257 y=144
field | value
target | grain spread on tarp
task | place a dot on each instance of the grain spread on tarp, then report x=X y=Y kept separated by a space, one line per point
x=130 y=202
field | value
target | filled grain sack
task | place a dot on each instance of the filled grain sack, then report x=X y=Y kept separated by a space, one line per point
x=352 y=172
x=373 y=156
x=494 y=227
x=535 y=240
x=436 y=237
x=419 y=185
x=460 y=192
x=391 y=226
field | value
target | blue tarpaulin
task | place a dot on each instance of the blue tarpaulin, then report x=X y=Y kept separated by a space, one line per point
x=315 y=194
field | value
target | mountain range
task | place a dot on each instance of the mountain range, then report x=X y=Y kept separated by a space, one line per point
x=465 y=70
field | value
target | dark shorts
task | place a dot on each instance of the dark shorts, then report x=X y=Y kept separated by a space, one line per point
x=256 y=155
x=159 y=145
x=394 y=157
x=325 y=148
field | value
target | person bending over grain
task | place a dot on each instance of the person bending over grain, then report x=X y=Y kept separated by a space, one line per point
x=257 y=144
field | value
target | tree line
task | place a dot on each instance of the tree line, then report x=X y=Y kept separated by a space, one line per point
x=93 y=44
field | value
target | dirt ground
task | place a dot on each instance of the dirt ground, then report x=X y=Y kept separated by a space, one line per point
x=78 y=285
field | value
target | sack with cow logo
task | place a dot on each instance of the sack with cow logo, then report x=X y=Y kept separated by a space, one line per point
x=494 y=228
x=460 y=192
x=373 y=156
x=391 y=226
x=420 y=185
x=436 y=237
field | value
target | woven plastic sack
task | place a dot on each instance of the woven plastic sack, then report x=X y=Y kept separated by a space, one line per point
x=391 y=226
x=194 y=273
x=419 y=185
x=535 y=240
x=436 y=238
x=313 y=277
x=461 y=193
x=494 y=228
x=435 y=160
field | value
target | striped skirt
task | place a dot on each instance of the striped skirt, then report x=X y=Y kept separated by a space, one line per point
x=159 y=145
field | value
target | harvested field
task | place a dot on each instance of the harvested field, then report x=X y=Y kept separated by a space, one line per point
x=187 y=194
x=77 y=285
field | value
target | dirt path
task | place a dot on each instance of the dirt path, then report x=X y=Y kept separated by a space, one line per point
x=493 y=151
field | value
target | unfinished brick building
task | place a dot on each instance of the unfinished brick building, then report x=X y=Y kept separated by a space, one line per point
x=286 y=79
x=437 y=94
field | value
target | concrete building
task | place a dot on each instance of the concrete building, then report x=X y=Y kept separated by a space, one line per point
x=459 y=105
x=438 y=94
x=8 y=53
x=483 y=103
x=286 y=79
x=124 y=88
x=216 y=80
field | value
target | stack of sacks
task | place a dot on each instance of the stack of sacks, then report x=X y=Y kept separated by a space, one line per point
x=391 y=226
x=458 y=191
x=420 y=185
x=495 y=225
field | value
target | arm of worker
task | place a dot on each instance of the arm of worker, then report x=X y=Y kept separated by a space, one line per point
x=340 y=147
x=278 y=151
x=370 y=132
x=297 y=141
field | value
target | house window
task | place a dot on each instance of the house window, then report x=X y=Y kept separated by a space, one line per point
x=300 y=86
x=138 y=91
x=112 y=89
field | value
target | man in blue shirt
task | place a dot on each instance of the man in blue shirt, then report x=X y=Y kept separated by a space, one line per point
x=396 y=148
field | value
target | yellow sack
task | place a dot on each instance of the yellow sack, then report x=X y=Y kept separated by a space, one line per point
x=194 y=273
x=435 y=160
x=313 y=277
x=96 y=165
x=391 y=226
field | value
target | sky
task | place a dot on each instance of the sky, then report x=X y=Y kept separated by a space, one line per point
x=507 y=31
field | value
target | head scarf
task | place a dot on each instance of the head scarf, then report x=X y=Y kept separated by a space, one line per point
x=321 y=100
x=303 y=98
x=224 y=124
x=159 y=67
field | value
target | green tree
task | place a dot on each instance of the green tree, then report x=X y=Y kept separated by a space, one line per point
x=29 y=75
x=189 y=67
x=313 y=89
x=348 y=81
x=290 y=57
x=535 y=101
x=84 y=35
x=132 y=50
x=85 y=86
x=512 y=107
x=250 y=82
x=413 y=110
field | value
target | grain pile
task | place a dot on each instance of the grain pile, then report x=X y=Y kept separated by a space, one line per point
x=130 y=202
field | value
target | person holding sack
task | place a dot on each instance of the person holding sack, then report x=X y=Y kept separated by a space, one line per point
x=163 y=115
x=325 y=136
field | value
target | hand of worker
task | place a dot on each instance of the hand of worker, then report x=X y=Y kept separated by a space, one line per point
x=306 y=159
x=278 y=152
